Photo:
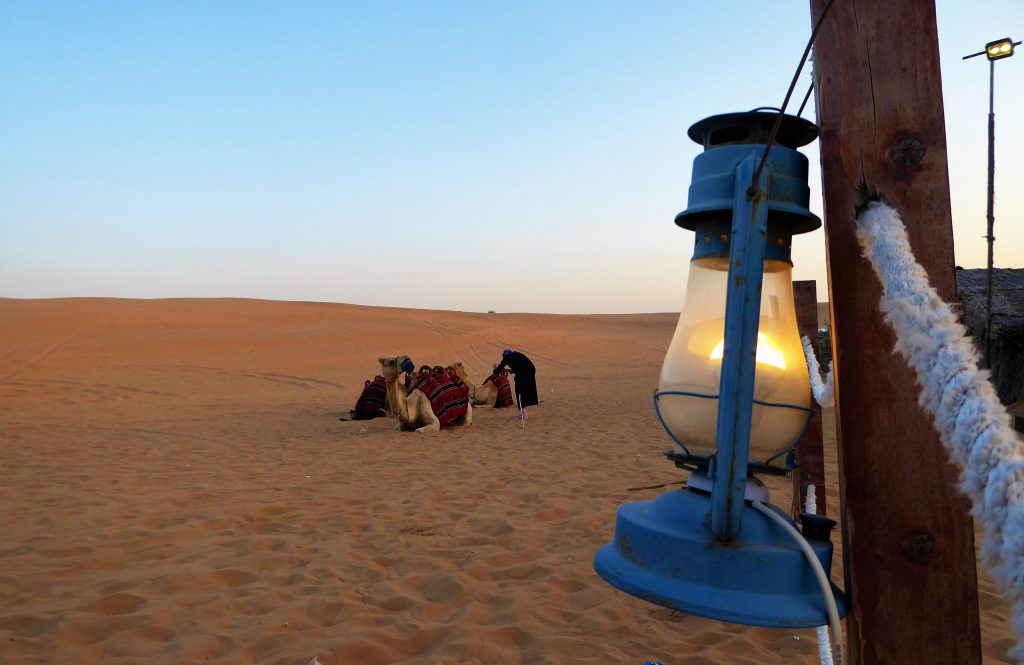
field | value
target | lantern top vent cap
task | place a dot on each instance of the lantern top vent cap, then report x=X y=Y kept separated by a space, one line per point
x=752 y=127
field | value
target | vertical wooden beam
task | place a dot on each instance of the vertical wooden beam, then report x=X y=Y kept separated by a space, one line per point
x=908 y=539
x=810 y=457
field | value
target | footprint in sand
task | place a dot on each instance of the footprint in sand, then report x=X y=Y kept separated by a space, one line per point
x=234 y=578
x=498 y=528
x=118 y=603
x=391 y=603
x=442 y=589
x=665 y=614
x=326 y=612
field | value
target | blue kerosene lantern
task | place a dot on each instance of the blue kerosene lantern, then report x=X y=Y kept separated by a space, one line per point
x=734 y=395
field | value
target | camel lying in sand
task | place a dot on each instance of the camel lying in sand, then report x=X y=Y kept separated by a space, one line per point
x=495 y=391
x=434 y=399
x=372 y=401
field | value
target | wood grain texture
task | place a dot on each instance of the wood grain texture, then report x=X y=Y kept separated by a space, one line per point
x=908 y=539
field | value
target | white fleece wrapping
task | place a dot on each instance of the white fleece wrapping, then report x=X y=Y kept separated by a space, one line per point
x=822 y=390
x=972 y=424
x=824 y=643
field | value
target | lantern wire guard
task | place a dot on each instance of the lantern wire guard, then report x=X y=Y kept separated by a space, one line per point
x=698 y=463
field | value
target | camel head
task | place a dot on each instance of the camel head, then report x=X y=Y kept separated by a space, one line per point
x=392 y=366
x=458 y=369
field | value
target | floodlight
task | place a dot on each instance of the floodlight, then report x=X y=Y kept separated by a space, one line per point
x=999 y=49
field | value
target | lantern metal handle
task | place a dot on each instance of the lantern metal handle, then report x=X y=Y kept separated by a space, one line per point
x=736 y=388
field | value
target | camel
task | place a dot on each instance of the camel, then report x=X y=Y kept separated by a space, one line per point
x=372 y=401
x=488 y=394
x=480 y=395
x=416 y=410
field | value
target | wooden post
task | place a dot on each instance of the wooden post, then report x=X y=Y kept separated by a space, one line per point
x=810 y=457
x=908 y=539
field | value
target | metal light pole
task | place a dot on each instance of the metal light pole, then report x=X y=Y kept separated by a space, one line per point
x=997 y=50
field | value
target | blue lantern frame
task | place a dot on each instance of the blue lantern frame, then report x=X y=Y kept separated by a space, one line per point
x=713 y=554
x=742 y=311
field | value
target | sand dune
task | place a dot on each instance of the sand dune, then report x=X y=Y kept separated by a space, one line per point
x=178 y=488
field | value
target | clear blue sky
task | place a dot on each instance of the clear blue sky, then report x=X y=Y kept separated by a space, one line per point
x=525 y=156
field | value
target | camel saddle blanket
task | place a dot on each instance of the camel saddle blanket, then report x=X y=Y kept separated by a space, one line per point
x=414 y=381
x=448 y=395
x=504 y=390
x=373 y=398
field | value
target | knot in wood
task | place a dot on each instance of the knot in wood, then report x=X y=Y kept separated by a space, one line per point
x=908 y=152
x=919 y=546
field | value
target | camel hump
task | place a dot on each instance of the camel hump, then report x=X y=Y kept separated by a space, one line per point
x=449 y=399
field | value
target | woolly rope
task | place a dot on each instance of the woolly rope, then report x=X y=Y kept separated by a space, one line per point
x=972 y=424
x=823 y=390
x=811 y=504
x=824 y=643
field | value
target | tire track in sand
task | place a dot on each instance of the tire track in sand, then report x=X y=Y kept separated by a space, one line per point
x=49 y=351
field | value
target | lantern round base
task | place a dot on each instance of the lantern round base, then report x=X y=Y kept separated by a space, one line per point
x=665 y=552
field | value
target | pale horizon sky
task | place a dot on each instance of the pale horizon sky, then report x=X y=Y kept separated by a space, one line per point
x=521 y=157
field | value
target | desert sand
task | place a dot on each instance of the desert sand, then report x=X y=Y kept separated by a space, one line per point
x=178 y=488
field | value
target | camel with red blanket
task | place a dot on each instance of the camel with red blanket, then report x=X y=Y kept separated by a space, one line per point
x=495 y=391
x=435 y=399
x=372 y=401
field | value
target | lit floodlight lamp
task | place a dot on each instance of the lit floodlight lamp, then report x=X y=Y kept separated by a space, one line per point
x=996 y=50
x=999 y=49
x=734 y=394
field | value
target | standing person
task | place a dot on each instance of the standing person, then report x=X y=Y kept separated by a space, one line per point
x=526 y=379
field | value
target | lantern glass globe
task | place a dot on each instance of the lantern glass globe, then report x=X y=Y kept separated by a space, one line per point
x=693 y=363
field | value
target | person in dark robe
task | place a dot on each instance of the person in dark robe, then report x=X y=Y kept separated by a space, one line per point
x=526 y=379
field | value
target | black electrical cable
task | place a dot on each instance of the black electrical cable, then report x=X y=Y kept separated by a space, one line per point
x=806 y=97
x=789 y=93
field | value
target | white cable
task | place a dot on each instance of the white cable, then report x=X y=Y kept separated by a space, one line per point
x=819 y=574
x=972 y=424
x=824 y=643
x=823 y=390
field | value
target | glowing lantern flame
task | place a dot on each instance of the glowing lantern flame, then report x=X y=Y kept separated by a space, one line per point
x=768 y=352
